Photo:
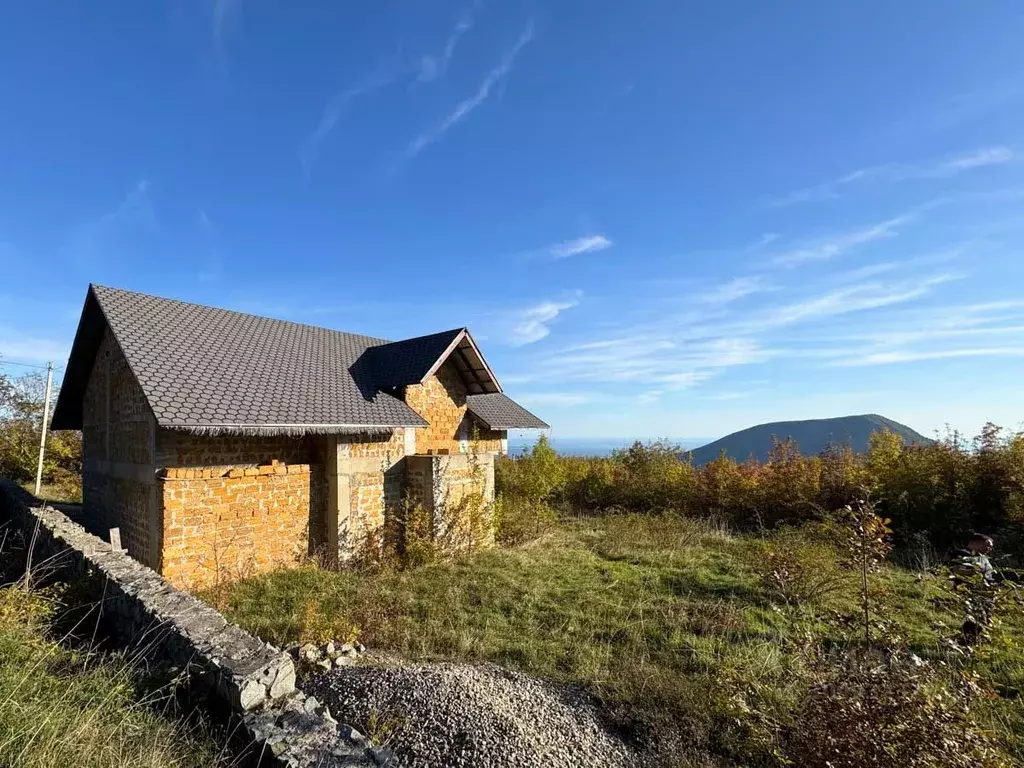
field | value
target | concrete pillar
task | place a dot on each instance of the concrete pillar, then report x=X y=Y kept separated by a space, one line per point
x=346 y=523
x=339 y=497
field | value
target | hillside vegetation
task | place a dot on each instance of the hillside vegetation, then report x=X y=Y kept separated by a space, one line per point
x=710 y=636
x=813 y=436
x=935 y=494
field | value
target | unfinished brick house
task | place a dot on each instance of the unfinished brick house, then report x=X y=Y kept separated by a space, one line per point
x=222 y=443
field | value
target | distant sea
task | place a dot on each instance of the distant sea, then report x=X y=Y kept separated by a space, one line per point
x=595 y=446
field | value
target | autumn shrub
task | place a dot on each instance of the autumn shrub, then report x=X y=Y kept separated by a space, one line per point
x=934 y=494
x=798 y=571
x=536 y=475
x=788 y=485
x=890 y=712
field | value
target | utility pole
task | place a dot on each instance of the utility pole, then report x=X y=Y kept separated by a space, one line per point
x=46 y=418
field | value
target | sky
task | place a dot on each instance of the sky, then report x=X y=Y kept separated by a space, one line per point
x=658 y=219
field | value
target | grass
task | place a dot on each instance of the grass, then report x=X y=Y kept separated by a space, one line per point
x=60 y=493
x=60 y=706
x=671 y=622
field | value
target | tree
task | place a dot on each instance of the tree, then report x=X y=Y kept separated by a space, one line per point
x=21 y=417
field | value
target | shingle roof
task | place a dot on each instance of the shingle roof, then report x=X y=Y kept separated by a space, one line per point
x=213 y=369
x=499 y=411
x=406 y=362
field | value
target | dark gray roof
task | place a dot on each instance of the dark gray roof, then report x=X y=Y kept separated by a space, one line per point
x=214 y=369
x=406 y=362
x=499 y=411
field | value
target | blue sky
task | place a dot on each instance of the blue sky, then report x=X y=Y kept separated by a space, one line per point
x=658 y=218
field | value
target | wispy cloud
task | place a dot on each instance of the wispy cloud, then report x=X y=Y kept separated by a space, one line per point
x=213 y=266
x=533 y=323
x=335 y=108
x=23 y=347
x=717 y=396
x=837 y=245
x=432 y=67
x=222 y=12
x=656 y=361
x=580 y=245
x=978 y=159
x=559 y=399
x=936 y=332
x=650 y=397
x=855 y=298
x=466 y=107
x=895 y=172
x=909 y=356
x=101 y=235
x=736 y=289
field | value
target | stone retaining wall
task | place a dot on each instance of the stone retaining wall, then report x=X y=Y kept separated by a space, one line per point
x=256 y=681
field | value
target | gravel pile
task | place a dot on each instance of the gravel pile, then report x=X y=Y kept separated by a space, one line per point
x=460 y=715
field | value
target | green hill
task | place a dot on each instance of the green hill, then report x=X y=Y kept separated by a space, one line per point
x=813 y=436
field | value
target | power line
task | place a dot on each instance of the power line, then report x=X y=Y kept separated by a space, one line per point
x=27 y=365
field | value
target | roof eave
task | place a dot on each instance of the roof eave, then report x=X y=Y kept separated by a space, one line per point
x=297 y=430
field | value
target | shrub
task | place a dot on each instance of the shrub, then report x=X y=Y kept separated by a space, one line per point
x=890 y=713
x=797 y=571
x=518 y=520
x=934 y=494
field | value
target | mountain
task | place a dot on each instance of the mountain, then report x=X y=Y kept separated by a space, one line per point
x=813 y=436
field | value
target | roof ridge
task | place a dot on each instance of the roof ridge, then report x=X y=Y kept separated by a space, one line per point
x=378 y=340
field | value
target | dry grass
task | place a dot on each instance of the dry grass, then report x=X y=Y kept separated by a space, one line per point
x=64 y=707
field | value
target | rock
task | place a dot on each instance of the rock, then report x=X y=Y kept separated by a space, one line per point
x=346 y=648
x=350 y=734
x=252 y=695
x=381 y=756
x=472 y=716
x=329 y=648
x=360 y=648
x=344 y=661
x=311 y=704
x=310 y=652
x=284 y=683
x=324 y=664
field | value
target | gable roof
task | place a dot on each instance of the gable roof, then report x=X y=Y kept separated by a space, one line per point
x=499 y=411
x=215 y=370
x=411 y=361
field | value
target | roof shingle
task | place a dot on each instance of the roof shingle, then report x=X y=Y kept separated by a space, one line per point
x=499 y=411
x=215 y=369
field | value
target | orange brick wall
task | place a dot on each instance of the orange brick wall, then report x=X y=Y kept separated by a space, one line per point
x=441 y=400
x=183 y=449
x=225 y=523
x=375 y=445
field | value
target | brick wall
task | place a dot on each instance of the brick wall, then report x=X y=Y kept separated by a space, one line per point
x=183 y=449
x=225 y=523
x=118 y=474
x=441 y=400
x=447 y=488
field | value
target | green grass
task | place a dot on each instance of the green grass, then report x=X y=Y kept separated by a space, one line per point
x=61 y=707
x=665 y=619
x=59 y=493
